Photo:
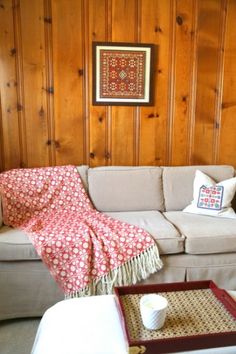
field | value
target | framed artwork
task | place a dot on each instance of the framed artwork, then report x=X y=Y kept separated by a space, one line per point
x=122 y=73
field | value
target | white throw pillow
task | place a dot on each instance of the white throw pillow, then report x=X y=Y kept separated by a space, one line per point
x=211 y=198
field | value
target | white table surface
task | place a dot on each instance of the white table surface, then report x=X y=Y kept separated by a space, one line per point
x=89 y=325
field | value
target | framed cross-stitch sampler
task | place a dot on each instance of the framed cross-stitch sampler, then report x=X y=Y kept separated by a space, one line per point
x=122 y=73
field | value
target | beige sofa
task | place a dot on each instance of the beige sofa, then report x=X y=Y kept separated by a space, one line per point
x=192 y=247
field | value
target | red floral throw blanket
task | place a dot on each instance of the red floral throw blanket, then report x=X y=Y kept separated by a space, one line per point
x=86 y=251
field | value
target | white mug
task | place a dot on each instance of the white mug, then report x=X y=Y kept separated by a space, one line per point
x=153 y=309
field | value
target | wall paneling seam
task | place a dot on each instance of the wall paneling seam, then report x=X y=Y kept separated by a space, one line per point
x=49 y=79
x=85 y=55
x=2 y=161
x=20 y=106
x=136 y=112
x=108 y=129
x=219 y=82
x=171 y=83
x=193 y=88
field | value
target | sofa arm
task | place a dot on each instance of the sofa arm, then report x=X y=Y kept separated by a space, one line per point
x=234 y=198
x=0 y=212
x=234 y=203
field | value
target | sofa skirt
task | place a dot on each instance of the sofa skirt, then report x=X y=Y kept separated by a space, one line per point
x=28 y=289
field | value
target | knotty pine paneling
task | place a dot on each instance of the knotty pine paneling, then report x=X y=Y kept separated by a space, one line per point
x=210 y=14
x=227 y=144
x=46 y=111
x=32 y=87
x=10 y=125
x=156 y=27
x=184 y=64
x=1 y=143
x=124 y=27
x=98 y=30
x=70 y=99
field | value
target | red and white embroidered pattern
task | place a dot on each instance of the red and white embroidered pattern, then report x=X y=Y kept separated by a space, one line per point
x=210 y=197
x=122 y=73
x=76 y=242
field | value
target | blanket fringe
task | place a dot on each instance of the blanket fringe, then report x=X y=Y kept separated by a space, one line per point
x=136 y=269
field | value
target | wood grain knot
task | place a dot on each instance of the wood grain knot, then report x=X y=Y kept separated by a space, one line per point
x=41 y=112
x=92 y=155
x=152 y=115
x=179 y=20
x=100 y=119
x=48 y=20
x=19 y=107
x=80 y=72
x=158 y=29
x=57 y=144
x=228 y=104
x=107 y=155
x=22 y=164
x=13 y=52
x=50 y=90
x=192 y=33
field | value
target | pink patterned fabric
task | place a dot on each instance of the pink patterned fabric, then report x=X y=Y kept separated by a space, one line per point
x=79 y=245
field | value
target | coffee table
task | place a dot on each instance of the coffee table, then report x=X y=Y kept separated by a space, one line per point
x=90 y=325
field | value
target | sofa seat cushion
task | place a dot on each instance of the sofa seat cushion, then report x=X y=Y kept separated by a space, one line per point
x=15 y=245
x=118 y=188
x=205 y=234
x=165 y=234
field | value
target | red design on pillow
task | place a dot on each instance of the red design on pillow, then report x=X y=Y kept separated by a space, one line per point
x=210 y=197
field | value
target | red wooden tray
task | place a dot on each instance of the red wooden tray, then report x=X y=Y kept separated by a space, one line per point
x=181 y=343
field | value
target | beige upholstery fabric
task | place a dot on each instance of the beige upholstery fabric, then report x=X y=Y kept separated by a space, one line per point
x=18 y=299
x=26 y=286
x=178 y=183
x=0 y=212
x=27 y=289
x=167 y=274
x=15 y=245
x=224 y=279
x=83 y=171
x=234 y=199
x=200 y=260
x=205 y=234
x=180 y=267
x=126 y=188
x=217 y=267
x=165 y=234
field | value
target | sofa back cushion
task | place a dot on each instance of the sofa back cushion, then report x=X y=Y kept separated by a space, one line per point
x=126 y=188
x=83 y=171
x=178 y=183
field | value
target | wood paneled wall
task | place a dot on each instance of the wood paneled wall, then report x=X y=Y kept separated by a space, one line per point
x=46 y=111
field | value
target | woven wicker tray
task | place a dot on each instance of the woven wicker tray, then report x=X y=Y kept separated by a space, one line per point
x=199 y=316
